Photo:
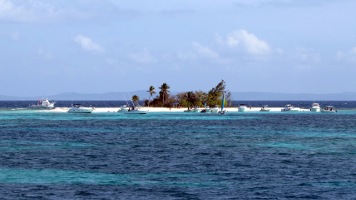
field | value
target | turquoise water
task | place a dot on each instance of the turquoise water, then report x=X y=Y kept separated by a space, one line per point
x=177 y=155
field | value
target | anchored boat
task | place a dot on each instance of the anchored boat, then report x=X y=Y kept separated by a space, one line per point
x=43 y=104
x=315 y=107
x=78 y=108
x=329 y=109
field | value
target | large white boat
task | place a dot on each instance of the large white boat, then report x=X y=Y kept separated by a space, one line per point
x=135 y=110
x=265 y=108
x=315 y=107
x=78 y=108
x=43 y=104
x=290 y=108
x=329 y=109
x=124 y=108
x=242 y=108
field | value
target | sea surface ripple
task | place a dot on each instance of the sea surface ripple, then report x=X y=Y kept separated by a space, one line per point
x=177 y=156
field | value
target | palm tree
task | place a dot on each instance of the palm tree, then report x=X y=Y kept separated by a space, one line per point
x=135 y=99
x=152 y=91
x=164 y=91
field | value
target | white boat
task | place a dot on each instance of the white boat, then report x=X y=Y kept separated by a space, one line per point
x=242 y=108
x=290 y=108
x=124 y=108
x=315 y=107
x=265 y=108
x=43 y=104
x=135 y=110
x=329 y=109
x=78 y=108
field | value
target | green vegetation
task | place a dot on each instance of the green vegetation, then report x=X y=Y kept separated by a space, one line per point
x=189 y=99
x=152 y=91
x=135 y=99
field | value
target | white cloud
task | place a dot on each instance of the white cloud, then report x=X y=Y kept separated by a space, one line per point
x=247 y=41
x=88 y=44
x=204 y=51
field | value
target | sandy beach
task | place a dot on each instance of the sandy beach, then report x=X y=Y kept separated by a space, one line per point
x=163 y=109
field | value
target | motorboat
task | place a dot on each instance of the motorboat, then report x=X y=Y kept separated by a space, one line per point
x=43 y=104
x=242 y=108
x=329 y=109
x=124 y=108
x=78 y=108
x=135 y=110
x=265 y=108
x=290 y=108
x=315 y=107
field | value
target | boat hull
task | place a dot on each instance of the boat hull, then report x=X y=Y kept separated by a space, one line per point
x=265 y=110
x=137 y=112
x=39 y=107
x=242 y=109
x=81 y=110
x=315 y=110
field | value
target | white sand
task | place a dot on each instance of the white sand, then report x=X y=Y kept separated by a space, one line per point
x=162 y=109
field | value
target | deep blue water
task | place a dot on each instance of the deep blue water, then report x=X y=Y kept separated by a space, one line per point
x=178 y=155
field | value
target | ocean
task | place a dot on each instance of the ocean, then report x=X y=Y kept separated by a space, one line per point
x=47 y=155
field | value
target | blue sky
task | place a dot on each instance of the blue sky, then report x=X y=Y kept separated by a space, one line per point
x=96 y=46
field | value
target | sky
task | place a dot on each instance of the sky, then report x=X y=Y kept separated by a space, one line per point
x=49 y=47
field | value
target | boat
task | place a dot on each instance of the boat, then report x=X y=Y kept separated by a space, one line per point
x=222 y=111
x=329 y=109
x=127 y=109
x=290 y=108
x=43 y=104
x=78 y=108
x=242 y=108
x=315 y=107
x=135 y=110
x=265 y=108
x=124 y=108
